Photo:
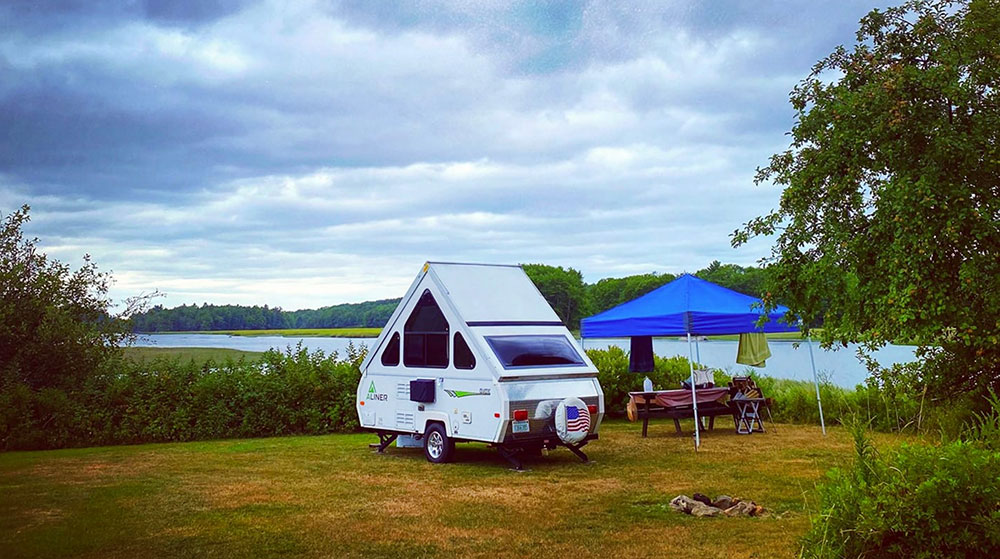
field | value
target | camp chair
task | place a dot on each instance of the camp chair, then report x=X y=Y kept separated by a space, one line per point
x=746 y=387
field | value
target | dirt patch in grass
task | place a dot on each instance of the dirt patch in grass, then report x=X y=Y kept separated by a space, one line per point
x=31 y=518
x=236 y=495
x=94 y=471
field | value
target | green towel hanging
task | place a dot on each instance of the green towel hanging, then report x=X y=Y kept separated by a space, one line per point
x=753 y=349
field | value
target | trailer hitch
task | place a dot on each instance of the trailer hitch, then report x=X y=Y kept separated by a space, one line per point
x=510 y=452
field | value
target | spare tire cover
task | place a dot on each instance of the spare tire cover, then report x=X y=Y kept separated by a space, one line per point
x=572 y=420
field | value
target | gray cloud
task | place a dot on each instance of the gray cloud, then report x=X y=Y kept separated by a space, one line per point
x=308 y=154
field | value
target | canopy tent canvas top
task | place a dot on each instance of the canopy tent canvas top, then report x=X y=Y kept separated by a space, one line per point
x=689 y=306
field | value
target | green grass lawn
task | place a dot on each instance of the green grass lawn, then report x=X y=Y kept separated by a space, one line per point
x=330 y=496
x=198 y=354
x=296 y=332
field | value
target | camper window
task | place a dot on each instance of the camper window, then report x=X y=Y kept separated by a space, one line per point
x=534 y=351
x=425 y=335
x=390 y=356
x=463 y=355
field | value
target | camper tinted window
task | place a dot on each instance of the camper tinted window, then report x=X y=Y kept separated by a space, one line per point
x=463 y=355
x=425 y=335
x=390 y=356
x=534 y=351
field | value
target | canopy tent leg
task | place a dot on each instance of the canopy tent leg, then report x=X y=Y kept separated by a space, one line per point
x=694 y=396
x=697 y=351
x=819 y=401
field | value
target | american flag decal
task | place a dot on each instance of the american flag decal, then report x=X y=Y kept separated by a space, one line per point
x=577 y=419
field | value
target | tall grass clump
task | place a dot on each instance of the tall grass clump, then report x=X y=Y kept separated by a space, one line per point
x=920 y=501
x=891 y=409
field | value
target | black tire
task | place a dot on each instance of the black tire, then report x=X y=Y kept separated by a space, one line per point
x=438 y=446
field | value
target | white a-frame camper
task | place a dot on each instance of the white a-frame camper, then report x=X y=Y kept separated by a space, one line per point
x=473 y=352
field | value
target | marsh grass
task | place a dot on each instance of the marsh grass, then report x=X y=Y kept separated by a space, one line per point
x=358 y=332
x=330 y=496
x=196 y=354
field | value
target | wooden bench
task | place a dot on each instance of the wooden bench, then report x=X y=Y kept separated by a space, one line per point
x=645 y=405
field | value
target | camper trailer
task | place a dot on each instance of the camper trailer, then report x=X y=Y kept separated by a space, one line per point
x=473 y=352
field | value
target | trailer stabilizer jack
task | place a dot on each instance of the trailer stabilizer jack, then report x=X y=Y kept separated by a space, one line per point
x=385 y=439
x=510 y=456
x=575 y=449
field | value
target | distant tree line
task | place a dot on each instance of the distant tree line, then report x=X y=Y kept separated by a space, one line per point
x=564 y=289
x=239 y=317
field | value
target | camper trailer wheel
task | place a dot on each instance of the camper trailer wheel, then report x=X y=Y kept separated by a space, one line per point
x=438 y=447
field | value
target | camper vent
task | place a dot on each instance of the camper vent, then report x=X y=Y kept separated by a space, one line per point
x=404 y=419
x=403 y=391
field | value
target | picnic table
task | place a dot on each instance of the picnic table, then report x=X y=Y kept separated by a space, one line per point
x=678 y=404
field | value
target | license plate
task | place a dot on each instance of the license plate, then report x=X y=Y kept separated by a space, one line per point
x=521 y=427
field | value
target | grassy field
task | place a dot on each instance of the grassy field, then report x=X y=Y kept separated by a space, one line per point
x=329 y=496
x=296 y=332
x=198 y=354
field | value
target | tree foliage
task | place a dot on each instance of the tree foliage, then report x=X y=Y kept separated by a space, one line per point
x=611 y=292
x=563 y=289
x=889 y=222
x=240 y=317
x=748 y=280
x=55 y=324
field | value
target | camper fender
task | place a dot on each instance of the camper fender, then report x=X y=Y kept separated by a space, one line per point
x=437 y=417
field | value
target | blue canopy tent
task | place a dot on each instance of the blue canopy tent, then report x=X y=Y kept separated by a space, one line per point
x=689 y=306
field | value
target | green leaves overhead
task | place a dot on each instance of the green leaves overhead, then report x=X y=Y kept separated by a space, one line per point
x=889 y=223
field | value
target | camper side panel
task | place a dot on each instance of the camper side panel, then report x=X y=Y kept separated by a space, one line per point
x=457 y=387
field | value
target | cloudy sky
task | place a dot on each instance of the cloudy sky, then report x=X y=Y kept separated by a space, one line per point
x=303 y=154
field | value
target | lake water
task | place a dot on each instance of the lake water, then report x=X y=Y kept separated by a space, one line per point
x=839 y=366
x=249 y=343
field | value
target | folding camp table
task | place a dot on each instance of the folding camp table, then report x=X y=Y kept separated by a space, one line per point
x=747 y=415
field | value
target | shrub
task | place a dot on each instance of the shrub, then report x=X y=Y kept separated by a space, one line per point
x=920 y=501
x=884 y=405
x=617 y=381
x=290 y=392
